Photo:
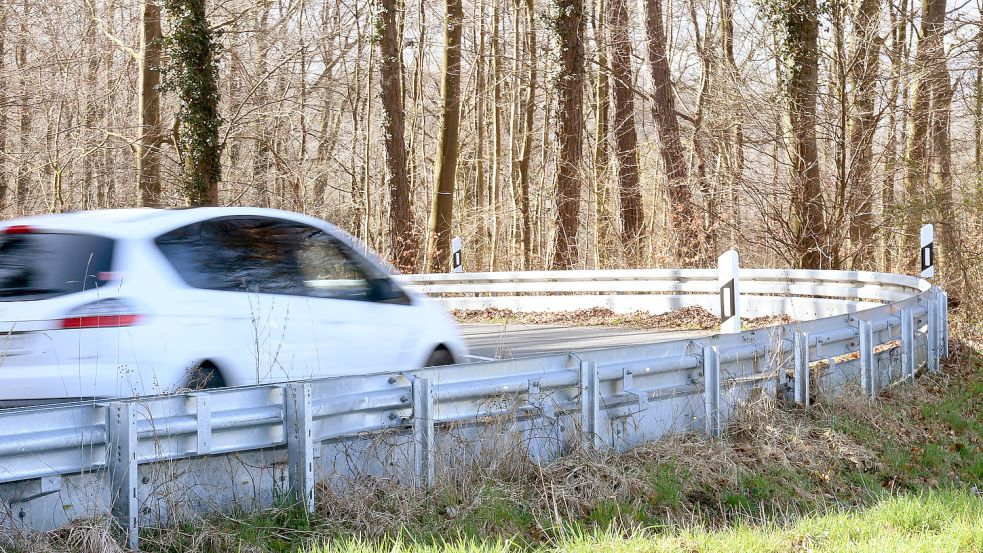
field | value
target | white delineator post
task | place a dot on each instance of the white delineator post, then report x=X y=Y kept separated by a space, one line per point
x=728 y=266
x=456 y=261
x=927 y=256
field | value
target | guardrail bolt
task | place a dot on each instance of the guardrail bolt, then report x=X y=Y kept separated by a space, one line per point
x=392 y=379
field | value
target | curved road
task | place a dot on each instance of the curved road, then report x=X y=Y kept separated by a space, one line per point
x=506 y=341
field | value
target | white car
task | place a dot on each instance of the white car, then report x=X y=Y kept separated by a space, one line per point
x=122 y=303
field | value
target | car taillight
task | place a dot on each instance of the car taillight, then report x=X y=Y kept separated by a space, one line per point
x=18 y=229
x=106 y=313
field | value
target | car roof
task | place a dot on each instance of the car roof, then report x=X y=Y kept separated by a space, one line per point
x=148 y=222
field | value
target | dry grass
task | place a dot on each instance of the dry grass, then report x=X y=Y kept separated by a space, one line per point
x=686 y=318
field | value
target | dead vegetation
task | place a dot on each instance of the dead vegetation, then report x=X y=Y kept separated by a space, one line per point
x=686 y=318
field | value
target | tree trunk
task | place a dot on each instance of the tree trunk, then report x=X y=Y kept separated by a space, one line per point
x=604 y=241
x=929 y=51
x=680 y=213
x=710 y=223
x=402 y=236
x=495 y=193
x=569 y=25
x=438 y=248
x=23 y=166
x=151 y=132
x=4 y=176
x=898 y=24
x=808 y=233
x=625 y=134
x=734 y=157
x=863 y=124
x=529 y=113
x=193 y=74
x=479 y=128
x=951 y=259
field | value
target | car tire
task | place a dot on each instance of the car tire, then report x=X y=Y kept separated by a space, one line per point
x=205 y=376
x=439 y=358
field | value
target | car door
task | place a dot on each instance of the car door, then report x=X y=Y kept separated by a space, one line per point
x=364 y=324
x=245 y=298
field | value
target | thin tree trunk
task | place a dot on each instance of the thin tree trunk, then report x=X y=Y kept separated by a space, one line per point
x=863 y=124
x=569 y=25
x=941 y=175
x=808 y=233
x=495 y=194
x=4 y=176
x=402 y=236
x=978 y=121
x=839 y=92
x=887 y=242
x=680 y=212
x=710 y=214
x=916 y=149
x=604 y=241
x=480 y=108
x=529 y=113
x=23 y=166
x=365 y=188
x=625 y=134
x=735 y=154
x=151 y=132
x=438 y=248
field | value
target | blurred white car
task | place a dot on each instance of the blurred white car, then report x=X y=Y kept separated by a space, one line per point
x=121 y=303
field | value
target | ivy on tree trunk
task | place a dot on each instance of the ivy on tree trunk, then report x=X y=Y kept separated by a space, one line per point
x=191 y=70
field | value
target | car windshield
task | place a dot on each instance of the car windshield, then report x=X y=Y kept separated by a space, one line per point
x=44 y=265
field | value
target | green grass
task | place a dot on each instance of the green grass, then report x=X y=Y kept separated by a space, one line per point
x=942 y=520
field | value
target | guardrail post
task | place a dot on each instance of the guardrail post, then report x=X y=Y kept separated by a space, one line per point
x=122 y=463
x=868 y=370
x=907 y=344
x=934 y=336
x=944 y=315
x=711 y=389
x=203 y=416
x=423 y=432
x=298 y=426
x=590 y=405
x=802 y=376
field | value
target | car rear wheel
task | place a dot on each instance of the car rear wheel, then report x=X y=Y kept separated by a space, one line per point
x=205 y=376
x=439 y=358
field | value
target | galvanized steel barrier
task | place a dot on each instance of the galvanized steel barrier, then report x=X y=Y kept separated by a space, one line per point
x=150 y=461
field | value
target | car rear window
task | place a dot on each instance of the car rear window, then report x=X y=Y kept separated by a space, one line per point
x=41 y=265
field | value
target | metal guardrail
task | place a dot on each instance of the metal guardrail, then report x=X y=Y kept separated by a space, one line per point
x=151 y=460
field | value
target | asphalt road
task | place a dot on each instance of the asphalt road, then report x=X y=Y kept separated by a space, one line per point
x=500 y=341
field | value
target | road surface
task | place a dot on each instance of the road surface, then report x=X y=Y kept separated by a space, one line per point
x=505 y=341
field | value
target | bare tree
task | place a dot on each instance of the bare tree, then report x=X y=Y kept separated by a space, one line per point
x=807 y=224
x=4 y=177
x=529 y=114
x=929 y=52
x=625 y=134
x=402 y=236
x=680 y=212
x=151 y=132
x=863 y=125
x=438 y=248
x=569 y=25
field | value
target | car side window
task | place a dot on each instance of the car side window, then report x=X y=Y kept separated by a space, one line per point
x=329 y=270
x=237 y=254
